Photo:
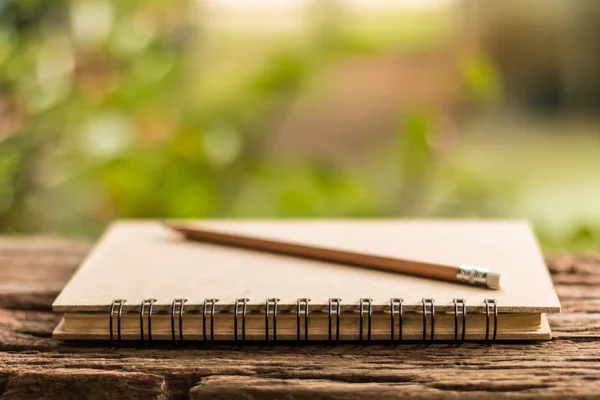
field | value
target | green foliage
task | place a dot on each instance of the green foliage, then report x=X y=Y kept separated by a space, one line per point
x=115 y=109
x=416 y=161
x=481 y=78
x=130 y=130
x=9 y=169
x=581 y=236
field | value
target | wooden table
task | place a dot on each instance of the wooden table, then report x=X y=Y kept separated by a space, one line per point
x=32 y=365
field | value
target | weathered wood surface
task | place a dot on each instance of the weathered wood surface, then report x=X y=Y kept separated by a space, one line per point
x=32 y=365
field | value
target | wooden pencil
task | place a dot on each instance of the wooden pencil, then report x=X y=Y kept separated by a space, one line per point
x=454 y=273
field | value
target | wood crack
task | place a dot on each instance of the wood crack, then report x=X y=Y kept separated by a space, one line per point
x=509 y=387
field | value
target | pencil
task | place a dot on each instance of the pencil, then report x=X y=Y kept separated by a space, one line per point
x=454 y=273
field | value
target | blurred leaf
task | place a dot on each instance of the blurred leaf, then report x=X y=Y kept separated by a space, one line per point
x=9 y=166
x=91 y=21
x=481 y=78
x=107 y=135
x=415 y=149
x=285 y=72
x=222 y=144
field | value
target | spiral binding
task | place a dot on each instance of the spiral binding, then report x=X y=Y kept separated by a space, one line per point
x=463 y=304
x=267 y=302
x=150 y=303
x=487 y=303
x=370 y=314
x=431 y=303
x=174 y=304
x=298 y=304
x=235 y=318
x=392 y=318
x=213 y=304
x=120 y=302
x=302 y=306
x=338 y=311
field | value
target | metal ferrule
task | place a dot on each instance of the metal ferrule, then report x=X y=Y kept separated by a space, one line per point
x=472 y=275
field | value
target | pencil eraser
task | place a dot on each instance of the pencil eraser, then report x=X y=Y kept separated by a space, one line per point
x=493 y=280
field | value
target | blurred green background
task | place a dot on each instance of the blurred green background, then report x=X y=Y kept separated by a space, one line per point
x=432 y=108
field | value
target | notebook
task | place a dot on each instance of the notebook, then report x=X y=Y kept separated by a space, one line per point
x=144 y=282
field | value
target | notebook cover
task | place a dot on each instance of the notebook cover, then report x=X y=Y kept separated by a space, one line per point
x=136 y=260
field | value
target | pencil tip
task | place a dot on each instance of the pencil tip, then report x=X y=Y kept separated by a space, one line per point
x=170 y=225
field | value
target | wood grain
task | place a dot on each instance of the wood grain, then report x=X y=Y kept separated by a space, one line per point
x=32 y=365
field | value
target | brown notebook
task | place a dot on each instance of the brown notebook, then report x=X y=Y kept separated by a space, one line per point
x=144 y=282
